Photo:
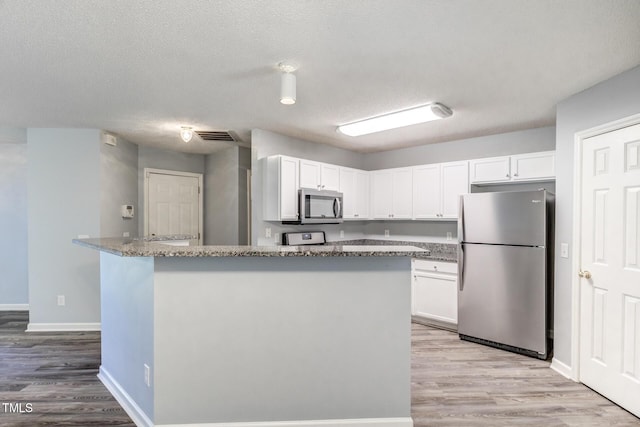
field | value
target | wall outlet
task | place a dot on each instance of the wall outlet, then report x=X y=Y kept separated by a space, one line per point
x=61 y=300
x=341 y=233
x=125 y=234
x=83 y=236
x=147 y=375
x=449 y=235
x=564 y=250
x=267 y=232
x=386 y=233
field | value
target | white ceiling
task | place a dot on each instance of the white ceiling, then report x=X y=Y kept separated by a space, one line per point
x=140 y=69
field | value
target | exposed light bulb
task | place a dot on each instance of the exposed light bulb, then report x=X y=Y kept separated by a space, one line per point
x=186 y=133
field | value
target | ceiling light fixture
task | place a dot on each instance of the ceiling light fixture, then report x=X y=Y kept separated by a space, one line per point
x=411 y=116
x=287 y=83
x=186 y=133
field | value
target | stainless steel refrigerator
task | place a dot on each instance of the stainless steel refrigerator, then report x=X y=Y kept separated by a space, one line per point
x=505 y=270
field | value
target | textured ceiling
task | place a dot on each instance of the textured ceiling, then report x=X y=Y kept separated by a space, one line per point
x=140 y=69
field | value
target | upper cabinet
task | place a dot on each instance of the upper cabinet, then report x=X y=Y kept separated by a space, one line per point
x=437 y=189
x=522 y=167
x=391 y=193
x=321 y=176
x=280 y=192
x=354 y=186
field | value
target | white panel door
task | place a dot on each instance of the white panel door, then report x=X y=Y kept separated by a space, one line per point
x=610 y=253
x=173 y=205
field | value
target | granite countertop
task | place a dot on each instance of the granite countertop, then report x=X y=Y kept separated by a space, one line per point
x=447 y=252
x=143 y=247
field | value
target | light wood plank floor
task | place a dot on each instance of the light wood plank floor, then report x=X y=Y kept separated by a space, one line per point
x=455 y=383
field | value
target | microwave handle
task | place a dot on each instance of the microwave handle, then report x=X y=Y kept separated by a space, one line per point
x=337 y=209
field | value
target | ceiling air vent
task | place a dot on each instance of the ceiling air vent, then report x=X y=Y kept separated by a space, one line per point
x=216 y=135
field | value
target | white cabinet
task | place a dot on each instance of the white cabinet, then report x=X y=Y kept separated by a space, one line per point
x=321 y=176
x=493 y=169
x=517 y=168
x=534 y=166
x=391 y=193
x=354 y=186
x=437 y=189
x=280 y=192
x=434 y=293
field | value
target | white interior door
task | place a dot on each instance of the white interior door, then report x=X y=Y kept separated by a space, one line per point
x=610 y=255
x=173 y=204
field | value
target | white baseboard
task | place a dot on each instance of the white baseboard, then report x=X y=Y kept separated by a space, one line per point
x=62 y=327
x=562 y=368
x=14 y=307
x=356 y=422
x=141 y=419
x=130 y=407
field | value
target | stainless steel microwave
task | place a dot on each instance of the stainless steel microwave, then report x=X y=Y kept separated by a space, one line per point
x=319 y=207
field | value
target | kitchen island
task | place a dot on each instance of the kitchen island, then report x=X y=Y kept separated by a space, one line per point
x=257 y=336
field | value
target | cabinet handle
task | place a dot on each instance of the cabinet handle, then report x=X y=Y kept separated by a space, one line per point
x=323 y=186
x=435 y=267
x=356 y=215
x=507 y=175
x=515 y=174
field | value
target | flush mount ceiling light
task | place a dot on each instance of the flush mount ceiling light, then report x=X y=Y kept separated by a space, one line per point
x=186 y=133
x=287 y=83
x=411 y=116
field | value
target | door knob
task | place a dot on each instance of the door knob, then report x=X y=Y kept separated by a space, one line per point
x=586 y=274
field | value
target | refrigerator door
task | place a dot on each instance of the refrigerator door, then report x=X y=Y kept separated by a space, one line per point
x=507 y=218
x=502 y=295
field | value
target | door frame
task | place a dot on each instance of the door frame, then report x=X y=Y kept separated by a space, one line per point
x=579 y=138
x=145 y=187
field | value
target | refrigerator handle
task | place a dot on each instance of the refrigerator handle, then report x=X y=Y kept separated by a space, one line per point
x=461 y=220
x=460 y=266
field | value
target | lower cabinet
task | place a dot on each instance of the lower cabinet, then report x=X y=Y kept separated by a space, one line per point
x=434 y=293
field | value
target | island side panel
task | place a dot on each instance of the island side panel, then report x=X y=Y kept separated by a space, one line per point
x=282 y=339
x=126 y=293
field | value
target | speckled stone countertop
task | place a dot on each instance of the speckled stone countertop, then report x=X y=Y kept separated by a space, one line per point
x=447 y=252
x=142 y=247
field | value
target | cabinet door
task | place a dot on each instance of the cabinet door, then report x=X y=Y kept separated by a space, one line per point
x=434 y=291
x=349 y=192
x=427 y=194
x=402 y=193
x=329 y=177
x=455 y=182
x=362 y=195
x=310 y=174
x=494 y=169
x=382 y=194
x=288 y=188
x=533 y=166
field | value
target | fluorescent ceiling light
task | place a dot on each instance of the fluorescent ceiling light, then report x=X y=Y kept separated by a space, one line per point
x=412 y=116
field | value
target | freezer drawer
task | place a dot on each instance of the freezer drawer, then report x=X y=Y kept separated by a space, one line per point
x=502 y=295
x=509 y=218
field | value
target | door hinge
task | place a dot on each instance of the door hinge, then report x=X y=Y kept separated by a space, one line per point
x=198 y=236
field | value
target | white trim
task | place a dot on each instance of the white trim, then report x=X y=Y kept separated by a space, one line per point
x=145 y=191
x=579 y=137
x=355 y=422
x=122 y=397
x=62 y=327
x=14 y=307
x=562 y=368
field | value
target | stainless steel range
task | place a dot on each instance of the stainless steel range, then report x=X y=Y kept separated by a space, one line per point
x=304 y=238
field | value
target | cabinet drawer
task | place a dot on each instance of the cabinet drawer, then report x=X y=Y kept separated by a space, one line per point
x=435 y=266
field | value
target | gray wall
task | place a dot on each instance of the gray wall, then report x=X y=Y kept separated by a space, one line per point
x=119 y=186
x=63 y=202
x=608 y=101
x=14 y=284
x=526 y=141
x=221 y=197
x=149 y=157
x=244 y=165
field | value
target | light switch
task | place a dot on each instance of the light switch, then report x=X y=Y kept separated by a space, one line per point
x=564 y=250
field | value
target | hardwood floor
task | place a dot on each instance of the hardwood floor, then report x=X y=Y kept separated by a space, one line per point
x=455 y=383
